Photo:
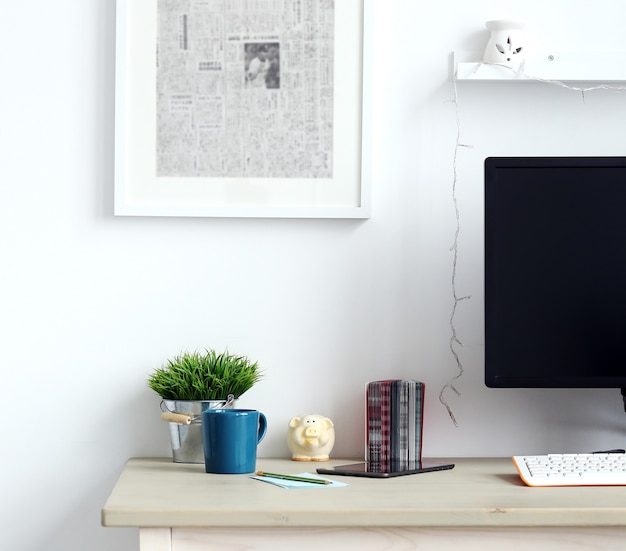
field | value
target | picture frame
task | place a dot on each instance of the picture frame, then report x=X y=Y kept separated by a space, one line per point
x=336 y=189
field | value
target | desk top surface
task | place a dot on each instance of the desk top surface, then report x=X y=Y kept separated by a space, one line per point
x=477 y=492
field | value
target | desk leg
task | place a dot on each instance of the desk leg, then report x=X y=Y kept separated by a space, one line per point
x=155 y=539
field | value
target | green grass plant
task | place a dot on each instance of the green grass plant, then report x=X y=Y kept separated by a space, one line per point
x=204 y=376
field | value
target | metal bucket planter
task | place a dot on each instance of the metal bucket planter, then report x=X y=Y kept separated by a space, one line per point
x=185 y=426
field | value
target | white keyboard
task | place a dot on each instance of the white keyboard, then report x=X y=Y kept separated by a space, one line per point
x=580 y=469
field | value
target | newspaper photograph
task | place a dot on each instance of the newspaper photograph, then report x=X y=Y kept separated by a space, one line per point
x=245 y=88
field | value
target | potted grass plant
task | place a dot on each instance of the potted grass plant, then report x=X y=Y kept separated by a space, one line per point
x=191 y=382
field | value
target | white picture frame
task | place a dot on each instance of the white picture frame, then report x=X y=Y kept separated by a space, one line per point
x=139 y=192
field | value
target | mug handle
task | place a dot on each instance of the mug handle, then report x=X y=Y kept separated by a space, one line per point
x=262 y=427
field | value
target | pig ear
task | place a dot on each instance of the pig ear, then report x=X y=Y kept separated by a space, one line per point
x=328 y=423
x=294 y=422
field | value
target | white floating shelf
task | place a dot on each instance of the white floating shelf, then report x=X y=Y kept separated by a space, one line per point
x=559 y=66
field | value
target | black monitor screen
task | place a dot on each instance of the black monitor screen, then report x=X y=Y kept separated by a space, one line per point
x=555 y=272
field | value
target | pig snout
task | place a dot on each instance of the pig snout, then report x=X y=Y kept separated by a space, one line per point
x=311 y=432
x=311 y=435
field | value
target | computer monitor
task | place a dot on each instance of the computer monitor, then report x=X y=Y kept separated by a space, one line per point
x=555 y=272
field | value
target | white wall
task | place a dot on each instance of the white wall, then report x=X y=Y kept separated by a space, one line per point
x=90 y=304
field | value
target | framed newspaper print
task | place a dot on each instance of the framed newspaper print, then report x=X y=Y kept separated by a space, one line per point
x=242 y=109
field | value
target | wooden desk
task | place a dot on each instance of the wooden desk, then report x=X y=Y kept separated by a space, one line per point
x=480 y=504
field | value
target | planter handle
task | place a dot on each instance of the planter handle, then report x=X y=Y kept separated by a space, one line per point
x=187 y=418
x=179 y=418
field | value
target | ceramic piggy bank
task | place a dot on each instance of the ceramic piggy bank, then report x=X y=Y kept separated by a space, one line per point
x=310 y=438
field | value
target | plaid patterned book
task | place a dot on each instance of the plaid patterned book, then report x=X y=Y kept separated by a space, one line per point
x=385 y=422
x=403 y=421
x=419 y=418
x=373 y=436
x=411 y=388
x=395 y=410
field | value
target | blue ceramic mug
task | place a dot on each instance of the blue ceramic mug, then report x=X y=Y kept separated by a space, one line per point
x=230 y=438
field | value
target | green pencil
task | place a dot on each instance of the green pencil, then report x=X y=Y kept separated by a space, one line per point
x=291 y=477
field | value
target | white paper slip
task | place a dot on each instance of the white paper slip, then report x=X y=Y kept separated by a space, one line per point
x=289 y=484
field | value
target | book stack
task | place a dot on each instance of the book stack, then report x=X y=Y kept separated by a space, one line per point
x=395 y=410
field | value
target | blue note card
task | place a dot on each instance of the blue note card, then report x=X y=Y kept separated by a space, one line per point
x=289 y=484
